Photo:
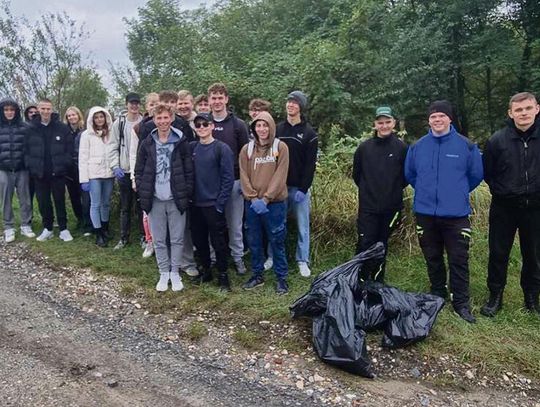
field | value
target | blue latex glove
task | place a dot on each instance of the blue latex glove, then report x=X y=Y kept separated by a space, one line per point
x=118 y=173
x=85 y=186
x=299 y=196
x=259 y=207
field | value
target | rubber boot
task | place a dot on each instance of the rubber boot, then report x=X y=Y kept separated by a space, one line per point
x=493 y=304
x=105 y=229
x=100 y=239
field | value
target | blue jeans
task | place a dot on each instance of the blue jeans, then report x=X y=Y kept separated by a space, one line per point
x=274 y=225
x=301 y=214
x=100 y=200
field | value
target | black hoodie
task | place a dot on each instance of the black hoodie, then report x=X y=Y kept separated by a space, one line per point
x=512 y=166
x=12 y=138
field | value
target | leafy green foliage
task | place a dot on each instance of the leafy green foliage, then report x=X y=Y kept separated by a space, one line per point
x=348 y=56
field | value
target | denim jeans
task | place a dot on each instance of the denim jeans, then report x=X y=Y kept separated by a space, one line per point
x=301 y=214
x=100 y=200
x=274 y=224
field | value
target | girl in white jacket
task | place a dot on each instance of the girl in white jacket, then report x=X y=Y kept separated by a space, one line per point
x=95 y=174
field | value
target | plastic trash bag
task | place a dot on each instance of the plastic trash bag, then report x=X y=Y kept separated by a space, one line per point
x=314 y=302
x=336 y=339
x=343 y=308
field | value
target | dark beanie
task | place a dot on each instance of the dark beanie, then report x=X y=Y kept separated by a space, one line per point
x=441 y=106
x=300 y=98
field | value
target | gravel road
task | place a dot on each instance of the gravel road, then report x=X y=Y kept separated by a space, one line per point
x=69 y=337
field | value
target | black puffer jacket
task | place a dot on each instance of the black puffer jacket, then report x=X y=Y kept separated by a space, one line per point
x=49 y=149
x=512 y=166
x=181 y=173
x=13 y=134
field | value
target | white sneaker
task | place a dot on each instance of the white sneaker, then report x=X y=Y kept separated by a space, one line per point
x=268 y=264
x=9 y=235
x=191 y=271
x=148 y=250
x=176 y=281
x=163 y=282
x=66 y=236
x=304 y=269
x=45 y=235
x=27 y=232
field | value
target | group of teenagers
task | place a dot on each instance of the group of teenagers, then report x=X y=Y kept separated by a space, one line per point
x=203 y=181
x=444 y=167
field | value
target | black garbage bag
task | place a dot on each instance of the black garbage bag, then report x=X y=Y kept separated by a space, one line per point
x=413 y=316
x=343 y=308
x=370 y=313
x=314 y=302
x=336 y=339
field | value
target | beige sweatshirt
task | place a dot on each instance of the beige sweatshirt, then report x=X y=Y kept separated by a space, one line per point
x=264 y=174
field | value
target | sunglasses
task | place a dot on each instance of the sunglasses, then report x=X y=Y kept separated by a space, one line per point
x=198 y=125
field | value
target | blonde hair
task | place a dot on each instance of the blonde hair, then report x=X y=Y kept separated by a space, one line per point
x=184 y=94
x=80 y=122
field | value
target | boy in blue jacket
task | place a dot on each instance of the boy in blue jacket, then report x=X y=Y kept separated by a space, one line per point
x=443 y=167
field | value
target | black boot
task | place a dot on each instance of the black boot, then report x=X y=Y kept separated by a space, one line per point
x=204 y=276
x=532 y=303
x=100 y=239
x=105 y=230
x=493 y=305
x=224 y=284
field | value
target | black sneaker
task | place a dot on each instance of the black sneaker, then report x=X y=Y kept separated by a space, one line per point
x=465 y=313
x=253 y=282
x=282 y=287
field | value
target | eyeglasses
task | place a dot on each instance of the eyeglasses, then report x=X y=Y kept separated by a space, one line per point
x=198 y=125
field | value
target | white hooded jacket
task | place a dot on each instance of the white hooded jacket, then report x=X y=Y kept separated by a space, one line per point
x=93 y=151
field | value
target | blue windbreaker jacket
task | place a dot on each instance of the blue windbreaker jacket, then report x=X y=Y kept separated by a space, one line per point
x=443 y=171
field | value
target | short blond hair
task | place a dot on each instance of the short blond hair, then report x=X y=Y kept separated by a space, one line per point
x=520 y=97
x=161 y=108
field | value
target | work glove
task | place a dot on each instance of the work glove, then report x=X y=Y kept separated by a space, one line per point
x=85 y=186
x=118 y=173
x=259 y=207
x=299 y=196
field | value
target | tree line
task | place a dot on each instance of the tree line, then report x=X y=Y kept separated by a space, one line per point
x=350 y=56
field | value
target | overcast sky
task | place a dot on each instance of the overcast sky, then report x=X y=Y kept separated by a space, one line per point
x=103 y=18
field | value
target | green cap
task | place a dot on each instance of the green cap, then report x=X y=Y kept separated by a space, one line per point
x=384 y=111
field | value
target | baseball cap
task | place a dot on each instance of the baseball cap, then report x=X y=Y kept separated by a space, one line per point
x=133 y=97
x=384 y=111
x=207 y=117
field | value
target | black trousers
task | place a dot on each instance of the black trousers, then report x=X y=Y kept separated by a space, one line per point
x=55 y=186
x=436 y=235
x=74 y=191
x=373 y=228
x=503 y=224
x=208 y=222
x=127 y=197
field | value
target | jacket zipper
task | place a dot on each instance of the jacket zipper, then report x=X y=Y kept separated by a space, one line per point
x=525 y=148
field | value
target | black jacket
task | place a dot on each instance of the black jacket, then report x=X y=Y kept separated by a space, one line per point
x=378 y=172
x=512 y=166
x=13 y=135
x=147 y=125
x=49 y=148
x=234 y=132
x=181 y=173
x=302 y=141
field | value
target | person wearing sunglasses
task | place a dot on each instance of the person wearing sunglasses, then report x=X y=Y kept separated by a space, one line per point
x=214 y=178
